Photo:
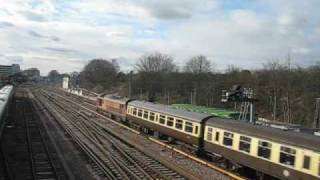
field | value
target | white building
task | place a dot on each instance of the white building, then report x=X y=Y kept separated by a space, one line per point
x=65 y=82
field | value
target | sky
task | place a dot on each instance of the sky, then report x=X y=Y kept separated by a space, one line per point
x=66 y=34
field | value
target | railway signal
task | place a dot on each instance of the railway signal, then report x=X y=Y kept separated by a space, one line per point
x=243 y=95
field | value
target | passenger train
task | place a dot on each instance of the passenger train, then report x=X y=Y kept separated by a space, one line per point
x=6 y=93
x=268 y=151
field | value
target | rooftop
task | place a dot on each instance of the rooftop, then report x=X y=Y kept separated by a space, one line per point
x=223 y=113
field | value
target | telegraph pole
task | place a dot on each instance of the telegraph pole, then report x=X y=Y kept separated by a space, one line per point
x=130 y=84
x=195 y=96
x=316 y=121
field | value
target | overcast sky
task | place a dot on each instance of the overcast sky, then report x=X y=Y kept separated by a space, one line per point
x=65 y=34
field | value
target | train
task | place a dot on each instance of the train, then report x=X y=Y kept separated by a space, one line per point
x=6 y=93
x=269 y=152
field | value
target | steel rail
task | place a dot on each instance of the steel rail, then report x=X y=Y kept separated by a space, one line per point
x=140 y=165
x=121 y=166
x=53 y=111
x=40 y=157
x=192 y=157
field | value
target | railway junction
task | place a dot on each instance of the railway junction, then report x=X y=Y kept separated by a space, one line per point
x=50 y=133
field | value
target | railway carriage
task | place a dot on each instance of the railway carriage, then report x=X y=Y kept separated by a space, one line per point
x=6 y=94
x=281 y=154
x=180 y=125
x=285 y=155
x=115 y=106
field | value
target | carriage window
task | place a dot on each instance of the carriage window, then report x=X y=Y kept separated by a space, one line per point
x=140 y=112
x=179 y=123
x=134 y=112
x=170 y=121
x=196 y=130
x=217 y=136
x=264 y=149
x=209 y=134
x=287 y=156
x=145 y=114
x=188 y=127
x=162 y=119
x=306 y=162
x=244 y=144
x=151 y=117
x=227 y=138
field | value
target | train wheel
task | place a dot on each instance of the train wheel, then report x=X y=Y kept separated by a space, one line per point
x=260 y=175
x=170 y=139
x=156 y=134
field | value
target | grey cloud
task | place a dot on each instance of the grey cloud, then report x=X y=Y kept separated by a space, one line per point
x=38 y=35
x=15 y=59
x=35 y=34
x=6 y=24
x=61 y=50
x=54 y=38
x=33 y=16
x=170 y=9
x=178 y=9
x=171 y=13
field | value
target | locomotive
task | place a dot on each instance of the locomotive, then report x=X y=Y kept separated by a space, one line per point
x=268 y=151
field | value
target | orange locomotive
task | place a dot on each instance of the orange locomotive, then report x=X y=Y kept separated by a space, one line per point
x=114 y=106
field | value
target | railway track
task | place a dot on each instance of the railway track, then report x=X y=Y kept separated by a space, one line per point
x=174 y=154
x=115 y=158
x=44 y=162
x=3 y=166
x=174 y=148
x=14 y=145
x=28 y=153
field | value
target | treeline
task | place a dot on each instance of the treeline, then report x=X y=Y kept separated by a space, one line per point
x=284 y=93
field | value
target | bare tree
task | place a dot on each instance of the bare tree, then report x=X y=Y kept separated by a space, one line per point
x=156 y=62
x=53 y=73
x=198 y=64
x=232 y=69
x=54 y=76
